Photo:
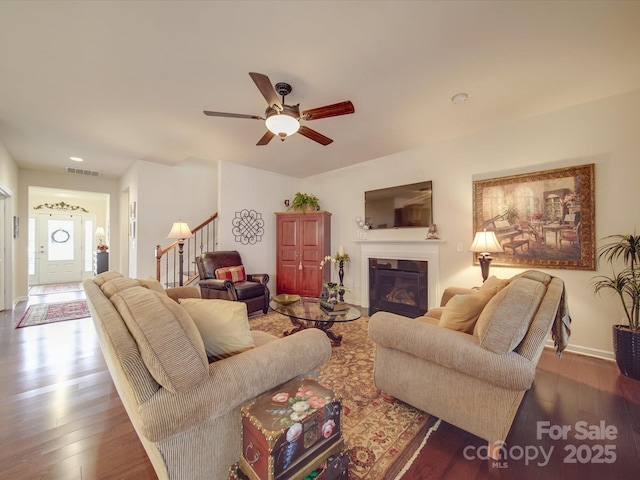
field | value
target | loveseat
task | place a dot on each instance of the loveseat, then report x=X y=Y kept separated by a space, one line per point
x=471 y=360
x=184 y=408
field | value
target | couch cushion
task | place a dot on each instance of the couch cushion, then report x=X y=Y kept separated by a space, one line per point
x=152 y=284
x=462 y=311
x=433 y=313
x=169 y=342
x=235 y=274
x=105 y=277
x=118 y=284
x=536 y=275
x=506 y=318
x=223 y=325
x=248 y=290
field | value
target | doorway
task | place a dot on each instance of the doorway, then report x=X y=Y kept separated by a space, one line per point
x=2 y=250
x=62 y=247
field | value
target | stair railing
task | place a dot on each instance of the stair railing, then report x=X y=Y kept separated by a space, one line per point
x=203 y=240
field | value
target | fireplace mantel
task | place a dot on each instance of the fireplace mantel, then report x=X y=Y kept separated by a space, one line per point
x=427 y=250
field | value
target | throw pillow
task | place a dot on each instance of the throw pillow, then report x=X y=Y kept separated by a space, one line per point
x=169 y=342
x=462 y=311
x=505 y=320
x=495 y=282
x=235 y=274
x=223 y=325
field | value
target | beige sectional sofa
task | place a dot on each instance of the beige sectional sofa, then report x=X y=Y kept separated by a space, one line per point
x=473 y=379
x=186 y=410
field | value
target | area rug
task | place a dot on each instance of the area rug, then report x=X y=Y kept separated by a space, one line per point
x=382 y=438
x=55 y=288
x=43 y=313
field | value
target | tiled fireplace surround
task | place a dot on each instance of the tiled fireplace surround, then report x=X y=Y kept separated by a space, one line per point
x=425 y=250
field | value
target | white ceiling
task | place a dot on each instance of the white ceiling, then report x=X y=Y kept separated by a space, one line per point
x=114 y=82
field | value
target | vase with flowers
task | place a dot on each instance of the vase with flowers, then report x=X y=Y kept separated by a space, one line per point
x=338 y=261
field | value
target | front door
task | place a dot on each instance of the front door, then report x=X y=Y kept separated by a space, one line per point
x=59 y=248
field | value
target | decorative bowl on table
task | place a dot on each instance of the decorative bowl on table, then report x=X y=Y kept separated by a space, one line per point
x=285 y=299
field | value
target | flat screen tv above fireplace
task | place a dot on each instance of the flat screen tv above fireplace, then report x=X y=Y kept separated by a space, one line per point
x=399 y=207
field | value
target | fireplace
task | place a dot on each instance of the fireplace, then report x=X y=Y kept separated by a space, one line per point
x=401 y=249
x=398 y=286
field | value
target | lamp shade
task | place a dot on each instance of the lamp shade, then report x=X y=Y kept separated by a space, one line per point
x=485 y=242
x=282 y=124
x=180 y=230
x=100 y=232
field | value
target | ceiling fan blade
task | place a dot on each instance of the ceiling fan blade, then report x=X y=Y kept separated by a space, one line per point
x=315 y=136
x=266 y=89
x=232 y=115
x=342 y=108
x=266 y=138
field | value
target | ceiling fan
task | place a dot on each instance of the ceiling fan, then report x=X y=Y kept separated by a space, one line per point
x=284 y=120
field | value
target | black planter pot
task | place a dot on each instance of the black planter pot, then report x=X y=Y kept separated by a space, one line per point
x=626 y=346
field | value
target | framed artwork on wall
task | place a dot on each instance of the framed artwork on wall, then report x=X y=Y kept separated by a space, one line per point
x=542 y=219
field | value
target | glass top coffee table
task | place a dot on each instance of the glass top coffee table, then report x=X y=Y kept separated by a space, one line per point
x=307 y=313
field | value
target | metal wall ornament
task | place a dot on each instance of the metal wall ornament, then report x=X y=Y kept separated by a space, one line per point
x=61 y=206
x=248 y=227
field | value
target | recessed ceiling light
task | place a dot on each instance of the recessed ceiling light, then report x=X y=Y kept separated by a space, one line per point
x=460 y=98
x=76 y=159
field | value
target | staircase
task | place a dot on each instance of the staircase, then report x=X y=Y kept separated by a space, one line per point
x=168 y=259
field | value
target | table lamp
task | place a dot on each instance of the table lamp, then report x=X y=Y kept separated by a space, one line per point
x=485 y=243
x=180 y=230
x=100 y=233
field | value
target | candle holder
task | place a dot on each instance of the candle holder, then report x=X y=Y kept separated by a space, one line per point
x=341 y=276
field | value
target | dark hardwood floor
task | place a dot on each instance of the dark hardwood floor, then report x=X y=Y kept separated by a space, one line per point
x=62 y=418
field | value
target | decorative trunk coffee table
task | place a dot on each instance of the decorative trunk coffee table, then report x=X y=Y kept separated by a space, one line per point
x=307 y=313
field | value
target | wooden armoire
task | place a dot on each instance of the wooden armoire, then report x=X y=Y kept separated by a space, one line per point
x=303 y=240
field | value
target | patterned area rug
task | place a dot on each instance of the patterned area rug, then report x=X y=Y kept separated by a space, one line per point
x=43 y=313
x=382 y=438
x=55 y=288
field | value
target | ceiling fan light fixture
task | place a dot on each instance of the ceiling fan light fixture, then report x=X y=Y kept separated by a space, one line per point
x=282 y=124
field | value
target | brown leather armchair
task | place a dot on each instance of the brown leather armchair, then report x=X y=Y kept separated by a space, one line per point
x=253 y=291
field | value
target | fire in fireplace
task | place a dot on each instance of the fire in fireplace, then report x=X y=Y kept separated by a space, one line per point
x=398 y=286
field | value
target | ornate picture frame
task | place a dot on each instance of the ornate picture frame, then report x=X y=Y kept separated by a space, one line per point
x=542 y=219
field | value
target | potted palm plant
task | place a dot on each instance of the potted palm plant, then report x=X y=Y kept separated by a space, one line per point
x=304 y=202
x=626 y=286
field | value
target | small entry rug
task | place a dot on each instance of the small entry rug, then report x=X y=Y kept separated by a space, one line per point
x=382 y=438
x=55 y=288
x=43 y=313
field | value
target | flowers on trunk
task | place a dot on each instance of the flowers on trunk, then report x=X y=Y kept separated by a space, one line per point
x=298 y=407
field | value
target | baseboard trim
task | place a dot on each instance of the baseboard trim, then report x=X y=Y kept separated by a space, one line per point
x=590 y=352
x=18 y=300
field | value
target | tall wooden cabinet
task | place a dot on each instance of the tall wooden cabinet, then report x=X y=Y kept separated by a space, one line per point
x=303 y=240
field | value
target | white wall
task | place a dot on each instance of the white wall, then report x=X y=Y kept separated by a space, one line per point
x=163 y=195
x=244 y=187
x=9 y=185
x=602 y=132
